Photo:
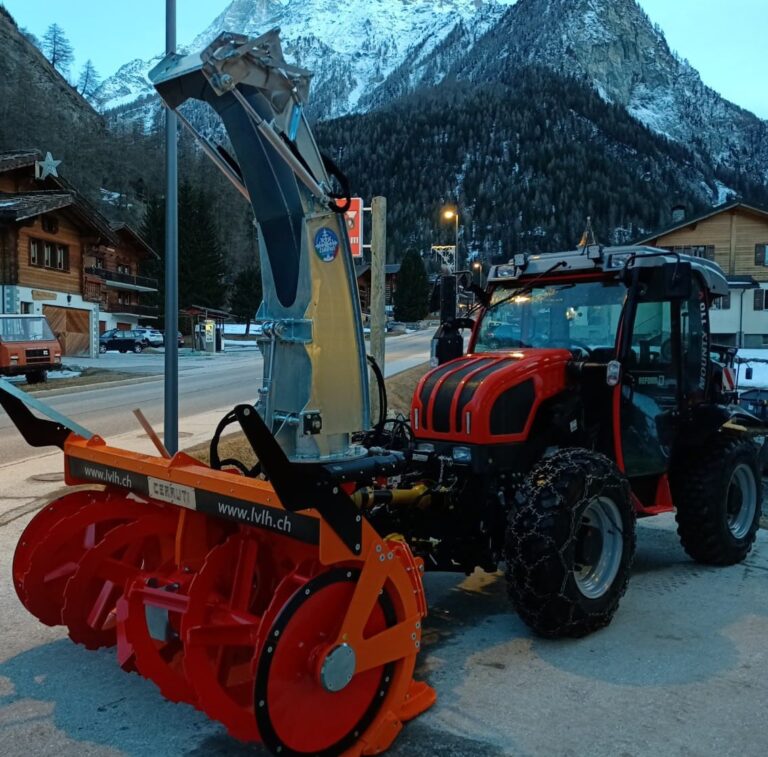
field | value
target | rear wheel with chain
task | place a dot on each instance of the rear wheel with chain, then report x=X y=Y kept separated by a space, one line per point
x=569 y=544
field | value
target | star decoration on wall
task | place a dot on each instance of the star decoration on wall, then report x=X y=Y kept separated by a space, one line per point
x=47 y=167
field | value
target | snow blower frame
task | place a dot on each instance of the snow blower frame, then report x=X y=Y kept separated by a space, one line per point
x=269 y=602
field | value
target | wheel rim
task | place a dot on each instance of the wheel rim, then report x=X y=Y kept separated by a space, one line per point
x=599 y=548
x=741 y=500
x=295 y=713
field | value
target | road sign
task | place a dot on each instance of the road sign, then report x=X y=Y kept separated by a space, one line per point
x=354 y=219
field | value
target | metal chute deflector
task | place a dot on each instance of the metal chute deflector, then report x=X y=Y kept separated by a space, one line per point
x=302 y=242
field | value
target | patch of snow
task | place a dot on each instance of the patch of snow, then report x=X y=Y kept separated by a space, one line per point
x=239 y=329
x=724 y=194
x=759 y=378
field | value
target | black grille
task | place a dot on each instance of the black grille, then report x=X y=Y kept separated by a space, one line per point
x=38 y=356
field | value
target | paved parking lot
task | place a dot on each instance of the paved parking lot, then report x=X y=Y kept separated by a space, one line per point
x=683 y=670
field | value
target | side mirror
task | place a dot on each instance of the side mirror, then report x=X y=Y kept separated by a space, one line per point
x=447 y=344
x=447 y=298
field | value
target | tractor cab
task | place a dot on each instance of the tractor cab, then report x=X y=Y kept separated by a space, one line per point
x=622 y=334
x=632 y=318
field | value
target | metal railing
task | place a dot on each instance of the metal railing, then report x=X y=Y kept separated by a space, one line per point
x=132 y=309
x=122 y=278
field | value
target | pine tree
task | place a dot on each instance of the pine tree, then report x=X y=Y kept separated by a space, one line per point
x=153 y=233
x=58 y=49
x=89 y=80
x=412 y=292
x=246 y=295
x=201 y=263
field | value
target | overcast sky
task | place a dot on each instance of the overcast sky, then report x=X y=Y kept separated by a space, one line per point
x=725 y=40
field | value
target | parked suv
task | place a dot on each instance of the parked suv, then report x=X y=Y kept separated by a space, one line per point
x=123 y=341
x=151 y=337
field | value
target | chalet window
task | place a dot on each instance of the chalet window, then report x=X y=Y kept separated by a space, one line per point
x=761 y=254
x=50 y=224
x=35 y=252
x=722 y=303
x=759 y=303
x=48 y=255
x=123 y=268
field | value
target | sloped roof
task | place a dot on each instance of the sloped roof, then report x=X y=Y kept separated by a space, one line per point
x=13 y=159
x=23 y=205
x=389 y=269
x=701 y=217
x=206 y=312
x=19 y=206
x=124 y=228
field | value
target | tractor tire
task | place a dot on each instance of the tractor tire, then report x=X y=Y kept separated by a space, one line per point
x=718 y=496
x=570 y=543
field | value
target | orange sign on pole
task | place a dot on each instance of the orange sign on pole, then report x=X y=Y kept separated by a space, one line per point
x=354 y=219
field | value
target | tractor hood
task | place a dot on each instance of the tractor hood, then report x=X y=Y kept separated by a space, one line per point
x=487 y=398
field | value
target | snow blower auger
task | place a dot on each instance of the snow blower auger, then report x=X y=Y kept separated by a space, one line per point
x=297 y=627
x=263 y=595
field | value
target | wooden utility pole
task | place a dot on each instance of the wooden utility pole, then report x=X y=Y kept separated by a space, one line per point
x=378 y=282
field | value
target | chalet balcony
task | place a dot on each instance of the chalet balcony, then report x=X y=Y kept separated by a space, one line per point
x=125 y=281
x=145 y=311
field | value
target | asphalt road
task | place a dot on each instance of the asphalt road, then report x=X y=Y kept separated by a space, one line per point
x=205 y=383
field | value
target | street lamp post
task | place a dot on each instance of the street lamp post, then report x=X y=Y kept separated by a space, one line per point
x=448 y=215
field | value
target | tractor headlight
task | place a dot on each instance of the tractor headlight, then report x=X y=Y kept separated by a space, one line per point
x=462 y=455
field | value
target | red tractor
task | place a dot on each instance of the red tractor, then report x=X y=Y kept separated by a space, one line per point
x=588 y=397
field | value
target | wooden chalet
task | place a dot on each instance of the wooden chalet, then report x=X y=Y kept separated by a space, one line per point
x=735 y=236
x=363 y=273
x=61 y=258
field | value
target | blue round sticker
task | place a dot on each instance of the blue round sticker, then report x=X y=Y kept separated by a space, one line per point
x=326 y=244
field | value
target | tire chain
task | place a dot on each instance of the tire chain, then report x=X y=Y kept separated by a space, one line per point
x=534 y=556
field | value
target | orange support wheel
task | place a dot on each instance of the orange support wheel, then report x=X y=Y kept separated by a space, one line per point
x=334 y=670
x=91 y=595
x=308 y=699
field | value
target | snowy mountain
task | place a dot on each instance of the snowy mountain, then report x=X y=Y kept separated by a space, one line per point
x=614 y=45
x=368 y=53
x=353 y=48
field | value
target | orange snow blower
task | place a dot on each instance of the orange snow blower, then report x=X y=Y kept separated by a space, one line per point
x=262 y=596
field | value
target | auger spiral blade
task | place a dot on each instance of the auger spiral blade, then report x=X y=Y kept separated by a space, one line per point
x=228 y=599
x=59 y=550
x=98 y=583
